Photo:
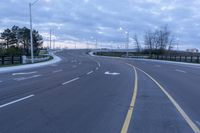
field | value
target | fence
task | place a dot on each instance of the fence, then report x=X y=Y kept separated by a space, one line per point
x=8 y=60
x=190 y=59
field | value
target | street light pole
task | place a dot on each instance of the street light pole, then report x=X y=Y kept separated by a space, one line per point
x=31 y=33
x=127 y=36
x=50 y=40
x=127 y=47
x=96 y=45
x=31 y=30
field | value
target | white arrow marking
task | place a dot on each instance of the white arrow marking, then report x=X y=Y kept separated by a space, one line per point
x=109 y=73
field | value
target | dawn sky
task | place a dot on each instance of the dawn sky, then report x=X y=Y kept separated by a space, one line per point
x=85 y=20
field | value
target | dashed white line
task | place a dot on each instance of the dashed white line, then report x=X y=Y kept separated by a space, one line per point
x=74 y=66
x=198 y=123
x=25 y=78
x=89 y=72
x=178 y=70
x=54 y=65
x=70 y=81
x=24 y=73
x=99 y=64
x=157 y=65
x=56 y=71
x=18 y=100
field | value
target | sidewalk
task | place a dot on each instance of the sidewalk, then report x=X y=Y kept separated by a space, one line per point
x=55 y=59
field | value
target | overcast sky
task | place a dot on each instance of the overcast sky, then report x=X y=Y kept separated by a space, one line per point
x=84 y=20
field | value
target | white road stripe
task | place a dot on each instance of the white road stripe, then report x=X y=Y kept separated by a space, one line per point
x=178 y=70
x=24 y=73
x=198 y=123
x=56 y=71
x=18 y=100
x=99 y=64
x=193 y=126
x=74 y=66
x=70 y=81
x=158 y=65
x=25 y=78
x=54 y=65
x=89 y=72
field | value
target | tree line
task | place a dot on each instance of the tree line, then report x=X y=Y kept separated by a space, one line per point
x=16 y=40
x=159 y=41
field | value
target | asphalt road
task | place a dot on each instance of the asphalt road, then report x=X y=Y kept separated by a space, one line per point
x=88 y=94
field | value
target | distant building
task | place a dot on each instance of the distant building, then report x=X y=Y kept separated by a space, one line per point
x=193 y=50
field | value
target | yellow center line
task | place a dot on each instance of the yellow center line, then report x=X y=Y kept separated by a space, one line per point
x=132 y=104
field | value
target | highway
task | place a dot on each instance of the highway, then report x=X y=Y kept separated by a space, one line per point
x=91 y=94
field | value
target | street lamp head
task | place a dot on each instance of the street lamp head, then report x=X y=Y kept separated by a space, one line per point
x=120 y=29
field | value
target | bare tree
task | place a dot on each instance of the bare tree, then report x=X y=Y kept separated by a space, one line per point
x=135 y=38
x=159 y=39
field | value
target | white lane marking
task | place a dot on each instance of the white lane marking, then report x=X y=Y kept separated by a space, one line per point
x=70 y=81
x=157 y=65
x=99 y=64
x=18 y=100
x=109 y=73
x=89 y=72
x=54 y=65
x=24 y=73
x=56 y=71
x=177 y=106
x=74 y=66
x=198 y=123
x=73 y=61
x=97 y=68
x=25 y=78
x=178 y=70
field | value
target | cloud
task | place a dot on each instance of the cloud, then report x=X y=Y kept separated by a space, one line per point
x=78 y=20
